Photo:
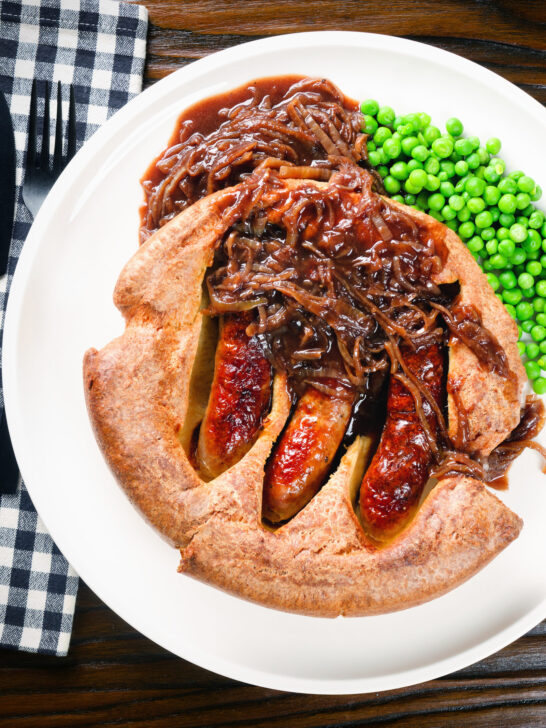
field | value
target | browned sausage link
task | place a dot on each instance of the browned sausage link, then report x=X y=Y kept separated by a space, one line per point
x=305 y=450
x=239 y=398
x=394 y=482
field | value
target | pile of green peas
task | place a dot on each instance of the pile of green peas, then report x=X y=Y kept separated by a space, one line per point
x=462 y=183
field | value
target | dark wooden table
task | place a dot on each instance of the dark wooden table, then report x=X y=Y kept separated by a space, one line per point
x=113 y=675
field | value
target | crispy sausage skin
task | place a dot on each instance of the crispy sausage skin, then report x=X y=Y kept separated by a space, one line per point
x=394 y=482
x=303 y=454
x=238 y=401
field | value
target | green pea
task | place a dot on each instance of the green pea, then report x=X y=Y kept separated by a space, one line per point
x=516 y=174
x=508 y=280
x=539 y=385
x=539 y=304
x=399 y=171
x=392 y=148
x=435 y=215
x=498 y=165
x=541 y=288
x=532 y=350
x=392 y=185
x=383 y=170
x=512 y=296
x=521 y=347
x=374 y=158
x=369 y=106
x=507 y=203
x=490 y=174
x=527 y=325
x=491 y=246
x=488 y=233
x=479 y=172
x=507 y=248
x=456 y=202
x=508 y=186
x=475 y=186
x=385 y=115
x=524 y=311
x=436 y=201
x=461 y=168
x=491 y=195
x=476 y=205
x=463 y=147
x=526 y=184
x=370 y=124
x=442 y=147
x=525 y=280
x=449 y=213
x=536 y=220
x=493 y=145
x=532 y=369
x=381 y=135
x=431 y=133
x=537 y=194
x=483 y=219
x=452 y=225
x=503 y=233
x=466 y=230
x=522 y=200
x=432 y=165
x=410 y=199
x=538 y=332
x=398 y=198
x=409 y=143
x=498 y=260
x=418 y=178
x=493 y=281
x=541 y=318
x=506 y=220
x=518 y=233
x=475 y=244
x=420 y=152
x=454 y=127
x=541 y=361
x=464 y=214
x=371 y=146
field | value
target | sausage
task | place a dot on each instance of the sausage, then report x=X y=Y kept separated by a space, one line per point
x=394 y=482
x=305 y=450
x=239 y=398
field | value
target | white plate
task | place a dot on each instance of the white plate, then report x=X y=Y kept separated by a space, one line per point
x=61 y=304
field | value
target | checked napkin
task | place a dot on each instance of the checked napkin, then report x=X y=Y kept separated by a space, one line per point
x=99 y=46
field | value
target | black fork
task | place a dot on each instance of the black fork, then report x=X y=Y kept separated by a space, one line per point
x=41 y=170
x=40 y=175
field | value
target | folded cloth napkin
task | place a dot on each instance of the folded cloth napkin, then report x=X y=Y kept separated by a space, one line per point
x=99 y=46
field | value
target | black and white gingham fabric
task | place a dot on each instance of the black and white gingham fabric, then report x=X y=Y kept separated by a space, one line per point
x=98 y=46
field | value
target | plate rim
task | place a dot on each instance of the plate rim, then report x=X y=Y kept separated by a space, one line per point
x=18 y=288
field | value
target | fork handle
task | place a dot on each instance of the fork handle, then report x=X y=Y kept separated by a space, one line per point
x=9 y=470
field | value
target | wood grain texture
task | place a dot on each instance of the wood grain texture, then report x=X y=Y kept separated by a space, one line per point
x=115 y=677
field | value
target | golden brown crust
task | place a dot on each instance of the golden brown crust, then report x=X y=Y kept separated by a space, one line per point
x=321 y=562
